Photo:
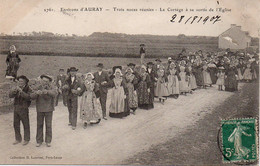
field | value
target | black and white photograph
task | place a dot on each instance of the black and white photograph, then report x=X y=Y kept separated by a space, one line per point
x=120 y=82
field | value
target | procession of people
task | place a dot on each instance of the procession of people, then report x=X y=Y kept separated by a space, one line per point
x=133 y=87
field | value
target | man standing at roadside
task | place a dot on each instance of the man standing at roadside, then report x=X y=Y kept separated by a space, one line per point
x=45 y=97
x=103 y=82
x=22 y=101
x=74 y=88
x=142 y=53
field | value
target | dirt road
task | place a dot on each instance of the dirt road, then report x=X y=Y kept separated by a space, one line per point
x=111 y=141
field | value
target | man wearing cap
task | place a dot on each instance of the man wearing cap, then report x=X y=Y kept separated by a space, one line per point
x=74 y=88
x=60 y=82
x=22 y=101
x=142 y=53
x=45 y=97
x=103 y=81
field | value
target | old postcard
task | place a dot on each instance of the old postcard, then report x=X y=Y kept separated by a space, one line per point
x=140 y=82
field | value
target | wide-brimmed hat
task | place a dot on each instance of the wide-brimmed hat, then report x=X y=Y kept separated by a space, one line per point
x=142 y=44
x=46 y=76
x=131 y=64
x=23 y=77
x=221 y=68
x=61 y=70
x=158 y=60
x=150 y=63
x=100 y=65
x=73 y=69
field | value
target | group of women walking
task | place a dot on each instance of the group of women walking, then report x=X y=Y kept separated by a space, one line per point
x=135 y=87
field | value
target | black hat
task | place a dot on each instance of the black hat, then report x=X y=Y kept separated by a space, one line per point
x=73 y=69
x=142 y=44
x=131 y=64
x=100 y=65
x=23 y=77
x=149 y=63
x=158 y=59
x=46 y=76
x=61 y=70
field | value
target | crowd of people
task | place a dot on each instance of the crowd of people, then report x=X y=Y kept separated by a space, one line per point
x=132 y=87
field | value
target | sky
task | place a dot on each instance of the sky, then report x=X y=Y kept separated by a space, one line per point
x=29 y=15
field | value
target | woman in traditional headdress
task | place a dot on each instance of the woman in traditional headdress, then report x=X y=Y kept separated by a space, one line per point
x=183 y=79
x=153 y=77
x=192 y=85
x=131 y=81
x=197 y=68
x=145 y=97
x=206 y=75
x=90 y=108
x=231 y=83
x=221 y=78
x=119 y=96
x=161 y=90
x=213 y=71
x=173 y=81
x=240 y=69
x=247 y=75
x=13 y=63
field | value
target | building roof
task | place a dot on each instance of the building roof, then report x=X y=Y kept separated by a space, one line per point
x=236 y=26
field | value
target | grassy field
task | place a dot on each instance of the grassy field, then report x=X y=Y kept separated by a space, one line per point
x=108 y=44
x=32 y=66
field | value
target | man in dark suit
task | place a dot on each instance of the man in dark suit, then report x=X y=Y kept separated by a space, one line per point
x=45 y=97
x=157 y=64
x=22 y=101
x=60 y=82
x=74 y=88
x=103 y=81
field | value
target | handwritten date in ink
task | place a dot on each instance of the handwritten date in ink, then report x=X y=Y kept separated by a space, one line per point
x=195 y=19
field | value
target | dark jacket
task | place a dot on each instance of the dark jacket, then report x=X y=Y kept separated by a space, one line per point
x=61 y=78
x=74 y=86
x=22 y=100
x=101 y=78
x=45 y=102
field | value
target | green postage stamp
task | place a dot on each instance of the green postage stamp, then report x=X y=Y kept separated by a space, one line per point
x=239 y=140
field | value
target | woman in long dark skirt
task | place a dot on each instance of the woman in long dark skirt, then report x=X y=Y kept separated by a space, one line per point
x=197 y=68
x=231 y=83
x=213 y=72
x=145 y=97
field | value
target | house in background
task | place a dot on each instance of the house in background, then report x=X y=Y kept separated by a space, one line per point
x=234 y=38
